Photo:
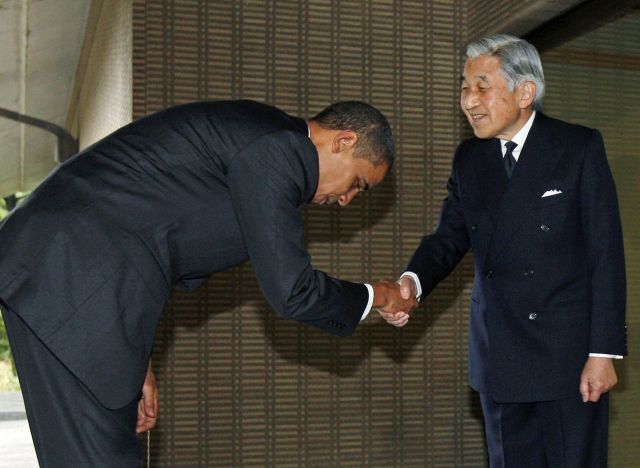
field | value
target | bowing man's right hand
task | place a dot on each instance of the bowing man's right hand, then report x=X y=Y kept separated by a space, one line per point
x=395 y=300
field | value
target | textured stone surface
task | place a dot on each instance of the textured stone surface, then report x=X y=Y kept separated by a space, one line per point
x=16 y=446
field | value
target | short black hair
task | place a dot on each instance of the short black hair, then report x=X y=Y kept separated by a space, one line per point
x=375 y=141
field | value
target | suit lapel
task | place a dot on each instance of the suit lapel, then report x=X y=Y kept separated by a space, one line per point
x=537 y=161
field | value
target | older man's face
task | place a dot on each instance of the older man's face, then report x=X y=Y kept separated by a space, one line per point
x=493 y=110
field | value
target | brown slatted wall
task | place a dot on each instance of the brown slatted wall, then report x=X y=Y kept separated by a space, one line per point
x=243 y=387
x=595 y=81
x=488 y=16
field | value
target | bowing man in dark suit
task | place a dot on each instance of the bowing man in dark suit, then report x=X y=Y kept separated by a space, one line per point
x=534 y=198
x=89 y=259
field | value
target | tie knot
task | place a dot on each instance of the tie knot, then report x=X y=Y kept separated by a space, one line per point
x=510 y=145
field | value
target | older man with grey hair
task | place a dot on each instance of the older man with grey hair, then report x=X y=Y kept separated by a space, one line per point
x=534 y=198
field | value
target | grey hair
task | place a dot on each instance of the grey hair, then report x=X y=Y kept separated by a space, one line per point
x=519 y=60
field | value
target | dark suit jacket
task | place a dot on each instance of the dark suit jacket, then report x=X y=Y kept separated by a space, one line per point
x=549 y=284
x=89 y=259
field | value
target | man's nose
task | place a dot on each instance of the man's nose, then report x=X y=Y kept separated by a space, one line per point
x=469 y=100
x=345 y=199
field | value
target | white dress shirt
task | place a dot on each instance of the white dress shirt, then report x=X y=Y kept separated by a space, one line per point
x=519 y=138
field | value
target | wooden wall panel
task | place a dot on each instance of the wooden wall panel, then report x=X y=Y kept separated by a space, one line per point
x=243 y=387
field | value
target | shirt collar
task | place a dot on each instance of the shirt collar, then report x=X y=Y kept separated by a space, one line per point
x=520 y=137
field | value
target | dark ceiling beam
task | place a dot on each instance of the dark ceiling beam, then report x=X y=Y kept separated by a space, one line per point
x=579 y=20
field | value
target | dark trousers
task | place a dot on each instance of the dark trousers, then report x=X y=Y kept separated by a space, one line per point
x=565 y=433
x=70 y=428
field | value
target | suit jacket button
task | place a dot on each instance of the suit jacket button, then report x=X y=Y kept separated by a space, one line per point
x=533 y=316
x=544 y=228
x=474 y=227
x=490 y=274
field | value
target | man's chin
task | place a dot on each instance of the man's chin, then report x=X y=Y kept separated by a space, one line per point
x=482 y=132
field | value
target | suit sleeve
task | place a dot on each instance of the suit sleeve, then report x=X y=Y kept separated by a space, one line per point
x=602 y=233
x=268 y=182
x=440 y=252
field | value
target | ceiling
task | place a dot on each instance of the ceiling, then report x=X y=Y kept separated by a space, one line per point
x=41 y=42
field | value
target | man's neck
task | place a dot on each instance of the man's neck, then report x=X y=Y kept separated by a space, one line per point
x=521 y=134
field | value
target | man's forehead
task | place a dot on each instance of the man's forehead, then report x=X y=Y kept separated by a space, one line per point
x=481 y=68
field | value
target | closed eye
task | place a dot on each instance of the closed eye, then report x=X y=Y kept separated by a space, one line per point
x=361 y=185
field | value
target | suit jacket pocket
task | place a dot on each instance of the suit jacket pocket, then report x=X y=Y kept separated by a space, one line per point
x=553 y=200
x=564 y=325
x=48 y=294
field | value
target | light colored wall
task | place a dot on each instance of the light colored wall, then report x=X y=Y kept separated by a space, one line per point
x=102 y=97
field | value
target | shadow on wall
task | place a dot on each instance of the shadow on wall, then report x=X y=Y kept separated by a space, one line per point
x=304 y=345
x=321 y=349
x=626 y=171
x=251 y=297
x=382 y=198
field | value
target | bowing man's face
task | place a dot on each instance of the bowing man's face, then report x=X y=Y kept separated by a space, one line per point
x=491 y=107
x=354 y=176
x=343 y=176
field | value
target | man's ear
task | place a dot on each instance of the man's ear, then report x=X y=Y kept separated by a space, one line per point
x=344 y=140
x=527 y=94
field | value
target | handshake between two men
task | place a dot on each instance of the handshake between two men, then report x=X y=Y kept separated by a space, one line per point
x=396 y=301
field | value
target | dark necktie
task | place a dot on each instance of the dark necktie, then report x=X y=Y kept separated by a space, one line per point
x=509 y=160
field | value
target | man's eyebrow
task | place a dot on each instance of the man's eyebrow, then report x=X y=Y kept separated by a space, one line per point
x=480 y=77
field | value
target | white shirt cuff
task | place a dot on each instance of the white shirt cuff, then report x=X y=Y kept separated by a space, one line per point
x=415 y=279
x=612 y=356
x=370 y=303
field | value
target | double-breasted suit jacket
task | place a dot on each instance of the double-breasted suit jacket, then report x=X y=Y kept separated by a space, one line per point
x=89 y=259
x=549 y=284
